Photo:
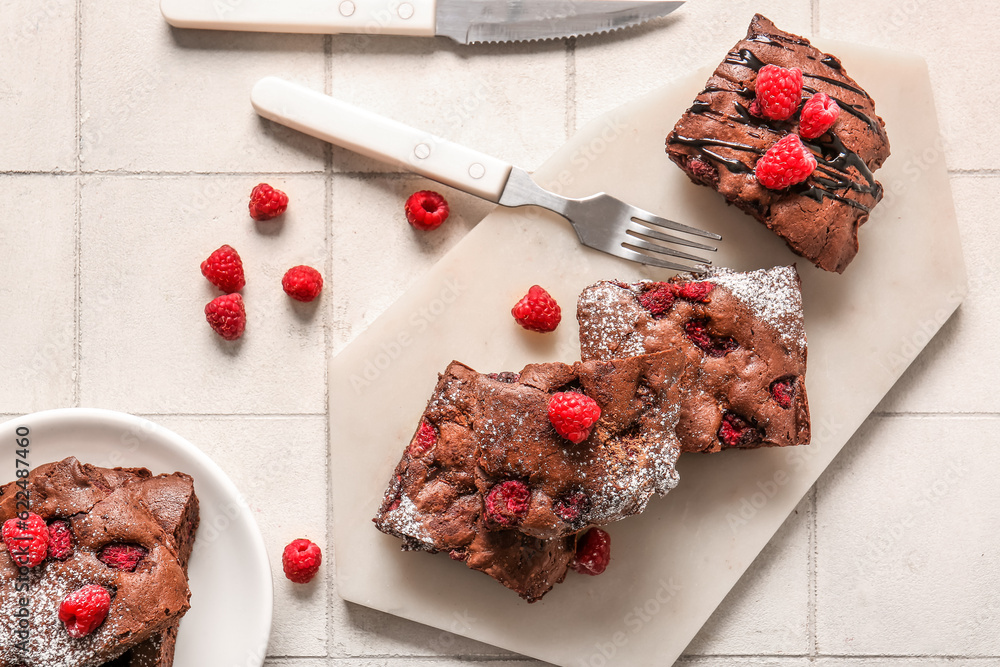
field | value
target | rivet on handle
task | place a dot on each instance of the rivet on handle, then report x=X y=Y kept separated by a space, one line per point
x=347 y=8
x=422 y=151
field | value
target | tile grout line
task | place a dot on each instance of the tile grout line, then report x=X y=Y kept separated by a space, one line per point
x=570 y=122
x=327 y=337
x=570 y=87
x=815 y=17
x=78 y=210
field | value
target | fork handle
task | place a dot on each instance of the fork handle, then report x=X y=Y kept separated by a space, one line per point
x=375 y=136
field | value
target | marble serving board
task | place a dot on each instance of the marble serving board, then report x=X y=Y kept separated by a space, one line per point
x=674 y=564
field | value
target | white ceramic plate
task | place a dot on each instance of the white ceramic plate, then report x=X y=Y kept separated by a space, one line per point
x=231 y=590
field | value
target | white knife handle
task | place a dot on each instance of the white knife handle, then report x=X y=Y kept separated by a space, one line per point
x=365 y=17
x=343 y=124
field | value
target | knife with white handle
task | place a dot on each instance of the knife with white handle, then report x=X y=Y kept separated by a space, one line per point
x=600 y=221
x=465 y=21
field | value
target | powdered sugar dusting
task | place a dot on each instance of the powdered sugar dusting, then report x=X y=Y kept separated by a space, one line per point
x=607 y=322
x=49 y=645
x=406 y=520
x=772 y=295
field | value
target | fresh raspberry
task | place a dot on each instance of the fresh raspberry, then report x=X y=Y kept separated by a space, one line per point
x=426 y=210
x=818 y=115
x=125 y=557
x=301 y=560
x=537 y=311
x=783 y=391
x=658 y=299
x=227 y=316
x=713 y=346
x=571 y=508
x=302 y=283
x=425 y=439
x=224 y=269
x=267 y=203
x=573 y=415
x=507 y=502
x=60 y=540
x=735 y=431
x=593 y=552
x=27 y=540
x=695 y=291
x=785 y=163
x=84 y=610
x=779 y=92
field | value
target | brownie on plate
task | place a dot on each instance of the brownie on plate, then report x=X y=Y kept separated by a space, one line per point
x=718 y=141
x=742 y=345
x=487 y=478
x=109 y=537
x=172 y=501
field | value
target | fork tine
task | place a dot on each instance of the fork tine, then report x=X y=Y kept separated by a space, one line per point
x=653 y=234
x=625 y=252
x=640 y=243
x=648 y=218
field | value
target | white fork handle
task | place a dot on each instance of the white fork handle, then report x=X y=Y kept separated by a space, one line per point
x=331 y=17
x=324 y=117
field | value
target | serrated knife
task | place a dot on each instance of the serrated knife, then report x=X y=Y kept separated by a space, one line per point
x=465 y=21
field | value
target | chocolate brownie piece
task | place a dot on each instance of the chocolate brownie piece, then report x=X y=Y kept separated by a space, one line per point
x=433 y=503
x=718 y=141
x=172 y=501
x=486 y=435
x=145 y=601
x=743 y=342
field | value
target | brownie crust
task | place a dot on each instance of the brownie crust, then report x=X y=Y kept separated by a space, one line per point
x=717 y=142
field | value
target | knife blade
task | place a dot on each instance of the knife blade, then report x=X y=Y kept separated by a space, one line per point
x=465 y=21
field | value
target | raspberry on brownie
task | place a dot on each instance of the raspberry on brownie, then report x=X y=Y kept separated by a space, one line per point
x=742 y=339
x=488 y=478
x=731 y=125
x=104 y=512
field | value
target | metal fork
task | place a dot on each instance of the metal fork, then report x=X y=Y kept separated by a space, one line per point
x=601 y=221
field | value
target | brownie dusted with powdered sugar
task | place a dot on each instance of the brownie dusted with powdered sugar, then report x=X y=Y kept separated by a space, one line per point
x=743 y=340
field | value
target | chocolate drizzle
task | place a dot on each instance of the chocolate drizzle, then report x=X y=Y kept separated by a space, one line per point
x=832 y=178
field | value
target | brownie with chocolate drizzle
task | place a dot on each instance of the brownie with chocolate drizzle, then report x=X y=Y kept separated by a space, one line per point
x=718 y=141
x=742 y=340
x=487 y=479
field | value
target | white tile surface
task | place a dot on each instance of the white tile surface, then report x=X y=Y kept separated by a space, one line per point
x=958 y=45
x=38 y=43
x=37 y=292
x=767 y=612
x=145 y=344
x=480 y=96
x=156 y=98
x=907 y=524
x=279 y=464
x=376 y=253
x=957 y=371
x=624 y=65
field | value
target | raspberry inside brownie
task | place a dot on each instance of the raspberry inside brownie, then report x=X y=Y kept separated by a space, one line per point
x=721 y=139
